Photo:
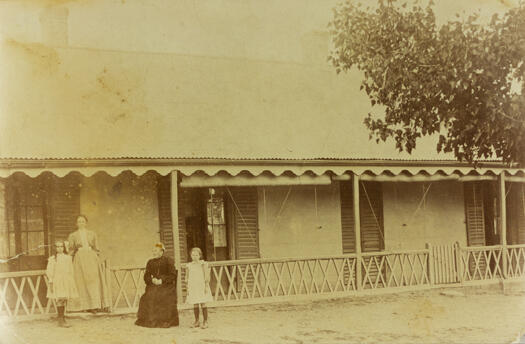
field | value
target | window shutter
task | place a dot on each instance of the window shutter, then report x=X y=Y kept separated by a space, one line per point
x=246 y=222
x=371 y=216
x=184 y=202
x=347 y=217
x=475 y=221
x=474 y=214
x=65 y=204
x=515 y=200
x=521 y=214
x=165 y=223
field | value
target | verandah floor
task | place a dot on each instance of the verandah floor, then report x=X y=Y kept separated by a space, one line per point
x=480 y=316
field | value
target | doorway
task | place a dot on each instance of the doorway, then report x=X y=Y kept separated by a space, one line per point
x=206 y=220
x=206 y=224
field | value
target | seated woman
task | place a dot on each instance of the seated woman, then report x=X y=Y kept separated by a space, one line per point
x=158 y=305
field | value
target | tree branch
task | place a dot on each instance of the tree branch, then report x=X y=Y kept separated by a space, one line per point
x=511 y=118
x=384 y=78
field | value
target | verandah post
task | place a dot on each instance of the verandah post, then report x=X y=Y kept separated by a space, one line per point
x=175 y=230
x=430 y=263
x=357 y=231
x=503 y=222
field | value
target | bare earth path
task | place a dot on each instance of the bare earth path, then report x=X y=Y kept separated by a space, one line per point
x=420 y=317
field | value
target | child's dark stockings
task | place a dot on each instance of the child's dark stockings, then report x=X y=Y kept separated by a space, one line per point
x=205 y=313
x=196 y=312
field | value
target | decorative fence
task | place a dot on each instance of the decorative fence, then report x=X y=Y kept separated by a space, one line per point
x=395 y=269
x=260 y=278
x=516 y=261
x=480 y=263
x=126 y=284
x=24 y=293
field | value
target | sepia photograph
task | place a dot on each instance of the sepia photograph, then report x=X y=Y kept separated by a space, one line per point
x=262 y=171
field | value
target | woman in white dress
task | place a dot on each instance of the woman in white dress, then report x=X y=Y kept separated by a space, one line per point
x=89 y=277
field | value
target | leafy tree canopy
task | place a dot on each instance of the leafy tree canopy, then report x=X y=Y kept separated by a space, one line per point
x=456 y=81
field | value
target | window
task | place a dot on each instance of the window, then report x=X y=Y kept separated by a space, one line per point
x=215 y=217
x=26 y=218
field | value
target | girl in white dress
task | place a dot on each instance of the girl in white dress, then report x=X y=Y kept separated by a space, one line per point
x=197 y=280
x=61 y=286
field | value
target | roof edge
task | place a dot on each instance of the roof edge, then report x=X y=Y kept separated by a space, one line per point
x=166 y=161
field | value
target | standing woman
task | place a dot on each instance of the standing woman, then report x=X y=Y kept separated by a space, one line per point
x=89 y=277
x=158 y=305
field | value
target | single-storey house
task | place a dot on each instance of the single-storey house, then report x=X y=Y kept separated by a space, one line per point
x=248 y=146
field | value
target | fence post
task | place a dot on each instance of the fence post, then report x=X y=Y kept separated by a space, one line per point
x=458 y=261
x=430 y=263
x=108 y=284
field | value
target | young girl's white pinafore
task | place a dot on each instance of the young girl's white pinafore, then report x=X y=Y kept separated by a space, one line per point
x=197 y=283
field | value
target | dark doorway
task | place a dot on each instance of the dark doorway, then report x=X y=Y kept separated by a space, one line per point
x=206 y=226
x=491 y=213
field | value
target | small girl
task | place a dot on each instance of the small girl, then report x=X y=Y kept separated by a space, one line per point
x=61 y=280
x=197 y=280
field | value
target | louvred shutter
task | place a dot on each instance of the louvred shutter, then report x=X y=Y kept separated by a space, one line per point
x=474 y=213
x=371 y=216
x=165 y=222
x=347 y=217
x=243 y=201
x=65 y=205
x=515 y=213
x=521 y=214
x=184 y=202
x=475 y=221
x=246 y=222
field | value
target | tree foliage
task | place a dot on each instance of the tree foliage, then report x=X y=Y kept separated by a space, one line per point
x=452 y=80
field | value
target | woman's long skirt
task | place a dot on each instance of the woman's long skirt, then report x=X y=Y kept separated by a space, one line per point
x=158 y=307
x=90 y=282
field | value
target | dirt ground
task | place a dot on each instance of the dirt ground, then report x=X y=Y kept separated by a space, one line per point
x=482 y=316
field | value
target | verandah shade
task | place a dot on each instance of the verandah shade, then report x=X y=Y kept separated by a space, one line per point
x=256 y=167
x=421 y=177
x=268 y=170
x=223 y=179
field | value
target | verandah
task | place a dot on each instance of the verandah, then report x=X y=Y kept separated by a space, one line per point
x=255 y=280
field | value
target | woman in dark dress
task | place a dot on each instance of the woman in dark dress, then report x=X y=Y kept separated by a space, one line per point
x=158 y=305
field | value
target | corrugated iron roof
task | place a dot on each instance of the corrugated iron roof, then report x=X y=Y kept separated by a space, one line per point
x=118 y=96
x=219 y=158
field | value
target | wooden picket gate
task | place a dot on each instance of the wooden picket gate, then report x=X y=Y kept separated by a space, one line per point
x=445 y=258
